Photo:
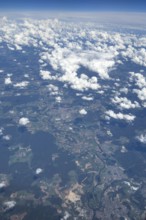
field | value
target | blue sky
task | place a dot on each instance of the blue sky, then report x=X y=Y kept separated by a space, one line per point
x=76 y=5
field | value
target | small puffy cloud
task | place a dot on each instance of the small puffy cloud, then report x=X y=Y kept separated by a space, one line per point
x=9 y=204
x=46 y=75
x=23 y=121
x=58 y=99
x=123 y=149
x=26 y=75
x=140 y=82
x=3 y=184
x=38 y=171
x=1 y=131
x=139 y=79
x=7 y=137
x=120 y=116
x=138 y=56
x=53 y=89
x=83 y=112
x=142 y=138
x=8 y=81
x=87 y=98
x=141 y=93
x=21 y=84
x=124 y=90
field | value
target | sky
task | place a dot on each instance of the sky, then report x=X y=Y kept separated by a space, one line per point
x=75 y=5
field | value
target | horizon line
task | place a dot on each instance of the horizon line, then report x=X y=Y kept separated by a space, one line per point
x=73 y=11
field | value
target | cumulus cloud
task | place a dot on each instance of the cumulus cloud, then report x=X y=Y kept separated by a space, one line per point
x=87 y=98
x=58 y=99
x=8 y=81
x=3 y=184
x=138 y=56
x=9 y=205
x=38 y=171
x=83 y=112
x=142 y=138
x=124 y=103
x=140 y=93
x=1 y=131
x=54 y=90
x=140 y=82
x=75 y=51
x=21 y=84
x=68 y=61
x=139 y=79
x=7 y=137
x=81 y=83
x=96 y=50
x=120 y=116
x=46 y=75
x=26 y=75
x=100 y=66
x=23 y=121
x=124 y=90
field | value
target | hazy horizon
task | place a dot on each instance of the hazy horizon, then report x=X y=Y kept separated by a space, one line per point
x=122 y=18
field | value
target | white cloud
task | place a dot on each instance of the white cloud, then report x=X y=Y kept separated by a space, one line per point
x=100 y=66
x=120 y=116
x=24 y=121
x=68 y=61
x=38 y=171
x=46 y=75
x=140 y=93
x=3 y=184
x=9 y=204
x=123 y=149
x=124 y=103
x=1 y=131
x=58 y=99
x=21 y=84
x=139 y=79
x=98 y=53
x=7 y=137
x=140 y=82
x=83 y=112
x=26 y=75
x=124 y=90
x=81 y=83
x=87 y=98
x=54 y=90
x=142 y=138
x=74 y=48
x=138 y=56
x=8 y=81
